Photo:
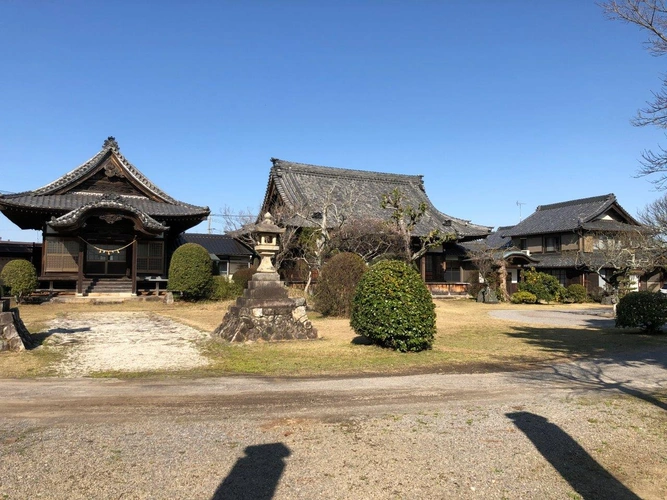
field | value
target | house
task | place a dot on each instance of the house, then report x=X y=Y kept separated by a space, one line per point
x=105 y=225
x=227 y=253
x=332 y=196
x=569 y=240
x=10 y=250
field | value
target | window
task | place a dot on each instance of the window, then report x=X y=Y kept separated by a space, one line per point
x=150 y=257
x=523 y=244
x=552 y=243
x=62 y=255
x=560 y=274
x=221 y=267
x=453 y=271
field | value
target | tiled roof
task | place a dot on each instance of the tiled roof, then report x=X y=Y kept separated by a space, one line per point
x=218 y=244
x=61 y=196
x=75 y=215
x=358 y=194
x=571 y=215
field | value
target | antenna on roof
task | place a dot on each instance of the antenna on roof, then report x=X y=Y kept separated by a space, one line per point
x=518 y=204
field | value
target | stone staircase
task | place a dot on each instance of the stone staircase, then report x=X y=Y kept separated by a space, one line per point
x=104 y=287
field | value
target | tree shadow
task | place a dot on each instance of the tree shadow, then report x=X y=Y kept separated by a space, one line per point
x=597 y=356
x=587 y=477
x=255 y=476
x=593 y=342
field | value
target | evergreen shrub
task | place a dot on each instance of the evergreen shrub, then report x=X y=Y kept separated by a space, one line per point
x=644 y=310
x=576 y=293
x=393 y=308
x=337 y=282
x=523 y=297
x=190 y=272
x=224 y=289
x=21 y=277
x=242 y=276
x=545 y=287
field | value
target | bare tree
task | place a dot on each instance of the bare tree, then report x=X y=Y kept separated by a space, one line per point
x=370 y=238
x=491 y=265
x=618 y=254
x=236 y=223
x=651 y=16
x=406 y=217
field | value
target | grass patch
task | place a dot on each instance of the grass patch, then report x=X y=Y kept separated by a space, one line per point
x=467 y=340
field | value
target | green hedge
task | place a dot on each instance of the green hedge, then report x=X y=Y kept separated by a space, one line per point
x=523 y=297
x=190 y=272
x=224 y=289
x=20 y=277
x=243 y=275
x=337 y=282
x=393 y=308
x=644 y=310
x=545 y=287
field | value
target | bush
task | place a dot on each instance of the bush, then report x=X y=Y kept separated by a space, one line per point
x=224 y=289
x=545 y=287
x=337 y=282
x=645 y=310
x=242 y=276
x=523 y=297
x=21 y=277
x=190 y=272
x=393 y=308
x=576 y=293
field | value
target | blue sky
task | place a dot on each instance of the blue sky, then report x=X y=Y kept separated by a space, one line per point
x=494 y=102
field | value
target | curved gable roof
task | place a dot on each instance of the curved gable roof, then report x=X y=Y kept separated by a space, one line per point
x=573 y=214
x=357 y=193
x=73 y=191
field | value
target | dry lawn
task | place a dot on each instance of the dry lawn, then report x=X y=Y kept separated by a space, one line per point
x=468 y=340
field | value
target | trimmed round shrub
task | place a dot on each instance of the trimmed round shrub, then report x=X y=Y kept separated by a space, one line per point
x=190 y=272
x=576 y=293
x=644 y=310
x=337 y=282
x=523 y=297
x=243 y=275
x=393 y=308
x=224 y=289
x=21 y=277
x=545 y=287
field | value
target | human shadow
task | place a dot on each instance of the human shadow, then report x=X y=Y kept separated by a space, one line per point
x=255 y=476
x=587 y=477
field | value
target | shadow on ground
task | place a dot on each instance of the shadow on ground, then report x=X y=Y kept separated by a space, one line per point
x=587 y=477
x=255 y=476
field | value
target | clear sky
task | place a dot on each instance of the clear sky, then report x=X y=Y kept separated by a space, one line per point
x=494 y=102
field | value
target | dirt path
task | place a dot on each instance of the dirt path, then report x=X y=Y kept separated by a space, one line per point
x=123 y=341
x=595 y=429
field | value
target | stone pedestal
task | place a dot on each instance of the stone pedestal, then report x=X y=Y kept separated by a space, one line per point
x=265 y=312
x=14 y=336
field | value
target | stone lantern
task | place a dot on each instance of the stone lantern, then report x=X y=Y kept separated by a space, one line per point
x=265 y=311
x=266 y=235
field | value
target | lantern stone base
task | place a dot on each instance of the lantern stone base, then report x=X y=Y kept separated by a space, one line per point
x=265 y=312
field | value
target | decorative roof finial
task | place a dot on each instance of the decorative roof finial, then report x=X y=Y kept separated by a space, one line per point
x=110 y=142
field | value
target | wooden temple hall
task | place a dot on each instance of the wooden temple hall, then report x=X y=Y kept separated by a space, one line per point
x=105 y=226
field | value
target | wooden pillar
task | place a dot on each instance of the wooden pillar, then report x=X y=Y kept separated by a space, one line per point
x=79 y=281
x=134 y=267
x=422 y=266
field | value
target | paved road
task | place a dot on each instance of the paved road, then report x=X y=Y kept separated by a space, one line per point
x=592 y=318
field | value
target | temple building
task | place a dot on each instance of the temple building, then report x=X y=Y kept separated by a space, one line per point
x=105 y=226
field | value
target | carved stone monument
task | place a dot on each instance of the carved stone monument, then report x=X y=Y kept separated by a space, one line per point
x=264 y=311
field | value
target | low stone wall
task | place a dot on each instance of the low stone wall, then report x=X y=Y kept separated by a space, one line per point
x=14 y=336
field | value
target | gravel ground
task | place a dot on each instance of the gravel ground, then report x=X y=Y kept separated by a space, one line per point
x=591 y=429
x=123 y=341
x=602 y=318
x=587 y=430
